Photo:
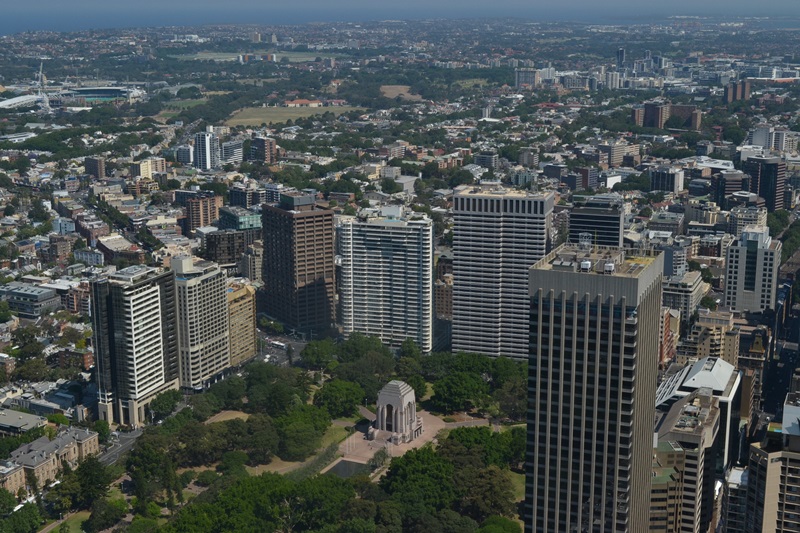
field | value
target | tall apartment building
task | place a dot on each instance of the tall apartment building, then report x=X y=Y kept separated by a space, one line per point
x=263 y=150
x=684 y=292
x=736 y=91
x=498 y=234
x=249 y=195
x=529 y=157
x=206 y=151
x=299 y=272
x=242 y=321
x=385 y=275
x=656 y=115
x=201 y=210
x=616 y=151
x=232 y=152
x=665 y=178
x=96 y=167
x=593 y=365
x=751 y=271
x=203 y=331
x=227 y=246
x=135 y=341
x=526 y=76
x=742 y=216
x=602 y=217
x=767 y=180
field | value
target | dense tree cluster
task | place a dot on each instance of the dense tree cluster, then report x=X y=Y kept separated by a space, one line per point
x=461 y=487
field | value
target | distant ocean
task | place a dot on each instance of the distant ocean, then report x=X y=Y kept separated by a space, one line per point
x=61 y=19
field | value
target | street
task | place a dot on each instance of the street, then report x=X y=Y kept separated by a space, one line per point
x=119 y=446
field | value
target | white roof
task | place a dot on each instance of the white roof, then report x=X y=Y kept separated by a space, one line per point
x=709 y=372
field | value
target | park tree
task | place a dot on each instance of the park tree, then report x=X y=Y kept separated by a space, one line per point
x=339 y=398
x=105 y=514
x=103 y=430
x=459 y=391
x=420 y=480
x=512 y=398
x=165 y=403
x=318 y=354
x=409 y=348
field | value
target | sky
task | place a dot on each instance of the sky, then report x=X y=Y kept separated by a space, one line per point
x=69 y=15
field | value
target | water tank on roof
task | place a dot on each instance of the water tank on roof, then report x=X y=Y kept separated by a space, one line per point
x=586 y=266
x=609 y=268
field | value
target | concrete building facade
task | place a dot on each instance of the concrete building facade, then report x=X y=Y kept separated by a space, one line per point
x=202 y=315
x=385 y=275
x=498 y=234
x=139 y=359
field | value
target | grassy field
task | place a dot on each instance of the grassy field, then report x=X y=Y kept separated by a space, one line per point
x=255 y=116
x=518 y=482
x=223 y=416
x=74 y=522
x=403 y=91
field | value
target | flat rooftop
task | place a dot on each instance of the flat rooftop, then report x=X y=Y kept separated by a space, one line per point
x=498 y=190
x=598 y=260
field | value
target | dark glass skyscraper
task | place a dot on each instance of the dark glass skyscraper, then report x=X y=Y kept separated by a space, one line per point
x=591 y=389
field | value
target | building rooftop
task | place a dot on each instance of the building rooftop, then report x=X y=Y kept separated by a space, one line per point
x=599 y=260
x=495 y=189
x=132 y=274
x=19 y=422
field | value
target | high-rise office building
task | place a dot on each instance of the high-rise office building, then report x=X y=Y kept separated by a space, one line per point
x=601 y=217
x=665 y=178
x=184 y=154
x=96 y=167
x=206 y=150
x=135 y=341
x=620 y=58
x=751 y=271
x=767 y=180
x=773 y=474
x=242 y=321
x=691 y=427
x=385 y=275
x=498 y=234
x=592 y=375
x=203 y=329
x=299 y=272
